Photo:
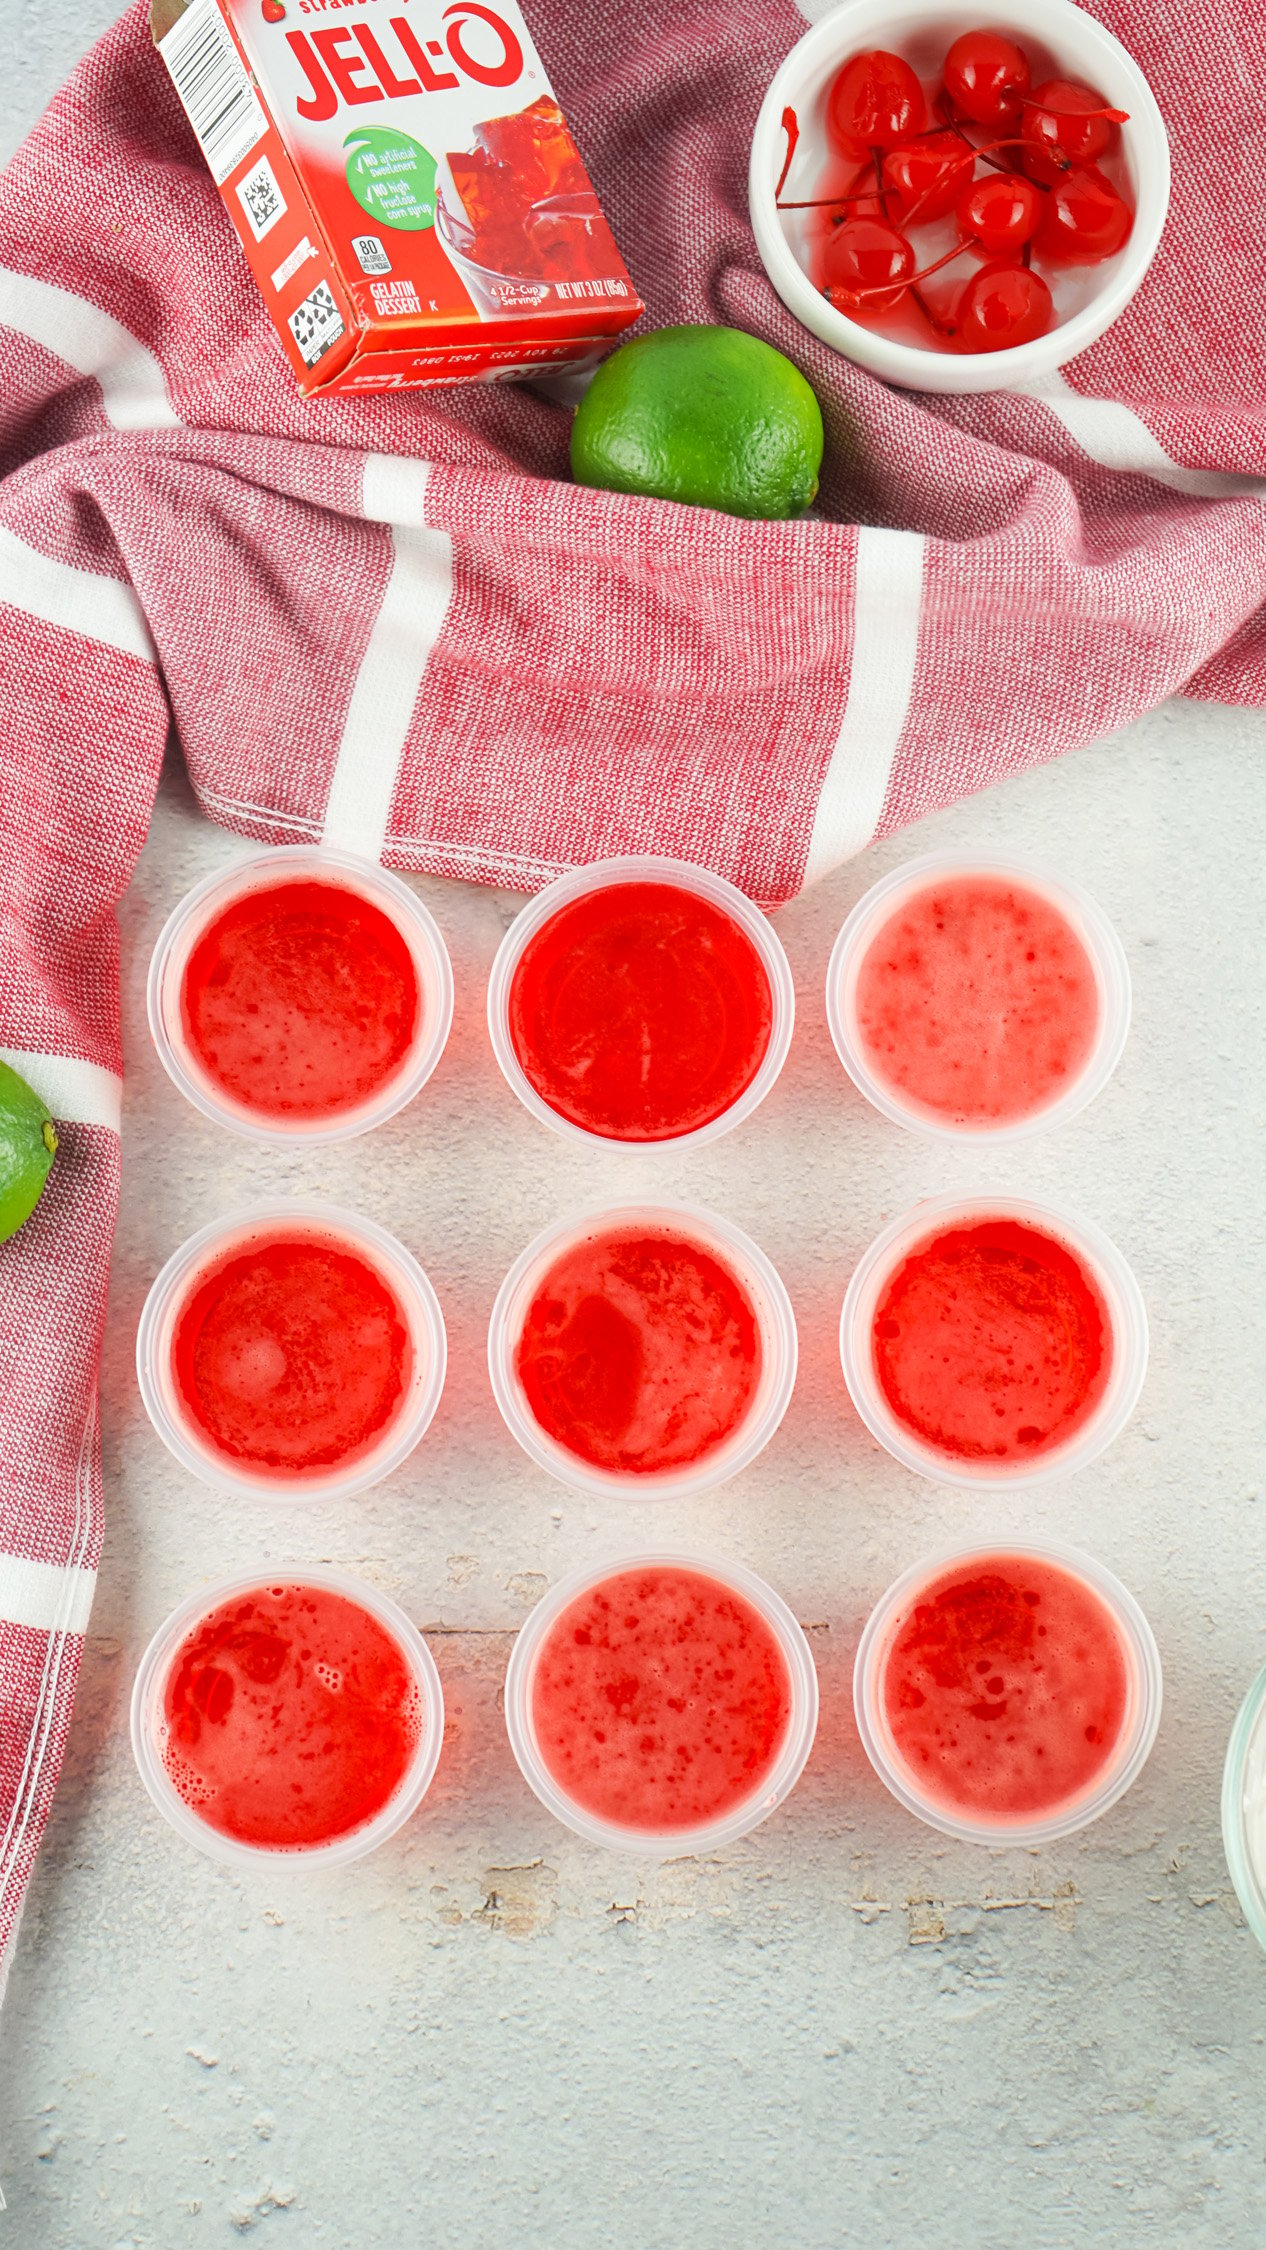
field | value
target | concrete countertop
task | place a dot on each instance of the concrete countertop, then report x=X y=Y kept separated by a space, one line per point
x=844 y=2030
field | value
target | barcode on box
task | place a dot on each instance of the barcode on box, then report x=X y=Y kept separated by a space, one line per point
x=214 y=89
x=261 y=198
x=316 y=324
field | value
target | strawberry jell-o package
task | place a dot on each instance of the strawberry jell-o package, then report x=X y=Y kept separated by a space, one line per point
x=403 y=183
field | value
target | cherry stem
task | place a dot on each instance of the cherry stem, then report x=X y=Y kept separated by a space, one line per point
x=791 y=128
x=886 y=288
x=830 y=202
x=1117 y=116
x=933 y=319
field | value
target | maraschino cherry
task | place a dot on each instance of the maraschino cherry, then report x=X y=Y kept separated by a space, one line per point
x=1000 y=306
x=1001 y=211
x=986 y=77
x=1084 y=220
x=1065 y=123
x=875 y=101
x=868 y=266
x=925 y=177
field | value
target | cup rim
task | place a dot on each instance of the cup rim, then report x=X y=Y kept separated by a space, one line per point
x=675 y=1843
x=1091 y=48
x=416 y=925
x=1147 y=1692
x=1125 y=1305
x=603 y=874
x=419 y=1304
x=1249 y=1887
x=341 y=1850
x=780 y=1348
x=1091 y=924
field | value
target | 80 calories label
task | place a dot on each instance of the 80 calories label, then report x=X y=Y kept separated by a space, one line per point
x=316 y=324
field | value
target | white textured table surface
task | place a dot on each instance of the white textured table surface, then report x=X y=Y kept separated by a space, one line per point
x=842 y=2031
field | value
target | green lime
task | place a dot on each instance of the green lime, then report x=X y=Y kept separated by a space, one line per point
x=28 y=1144
x=709 y=415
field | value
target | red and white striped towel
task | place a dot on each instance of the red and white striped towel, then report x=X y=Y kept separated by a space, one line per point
x=395 y=624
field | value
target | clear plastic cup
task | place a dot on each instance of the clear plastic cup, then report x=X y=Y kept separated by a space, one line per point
x=1138 y=1732
x=762 y=1284
x=1244 y=1807
x=1079 y=909
x=147 y=1721
x=643 y=868
x=286 y=863
x=1090 y=1245
x=401 y=1274
x=671 y=1843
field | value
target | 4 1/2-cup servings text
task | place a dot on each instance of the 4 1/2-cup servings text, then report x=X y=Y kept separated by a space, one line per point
x=410 y=201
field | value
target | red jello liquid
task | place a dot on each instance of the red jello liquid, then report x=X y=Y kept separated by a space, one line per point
x=660 y=1699
x=640 y=1351
x=291 y=1354
x=640 y=1012
x=992 y=1341
x=291 y=1717
x=301 y=1001
x=1005 y=1689
x=977 y=1002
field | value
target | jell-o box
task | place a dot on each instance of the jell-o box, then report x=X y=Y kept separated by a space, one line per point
x=404 y=186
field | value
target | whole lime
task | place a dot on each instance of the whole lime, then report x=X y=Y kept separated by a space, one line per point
x=708 y=415
x=28 y=1144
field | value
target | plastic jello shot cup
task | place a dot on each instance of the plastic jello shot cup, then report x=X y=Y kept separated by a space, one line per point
x=641 y=1000
x=1244 y=1807
x=974 y=996
x=292 y=1352
x=1007 y=1692
x=300 y=995
x=287 y=1713
x=643 y=1351
x=989 y=1340
x=662 y=1704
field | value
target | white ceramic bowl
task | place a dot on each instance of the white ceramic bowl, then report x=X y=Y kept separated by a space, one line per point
x=1061 y=40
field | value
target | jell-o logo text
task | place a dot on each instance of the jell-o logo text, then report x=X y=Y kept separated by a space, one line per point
x=349 y=64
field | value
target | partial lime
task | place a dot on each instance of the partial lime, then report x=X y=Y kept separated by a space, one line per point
x=28 y=1144
x=707 y=415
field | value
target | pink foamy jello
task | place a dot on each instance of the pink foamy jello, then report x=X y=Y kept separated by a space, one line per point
x=970 y=996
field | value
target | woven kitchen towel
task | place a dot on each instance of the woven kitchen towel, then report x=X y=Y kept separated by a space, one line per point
x=395 y=624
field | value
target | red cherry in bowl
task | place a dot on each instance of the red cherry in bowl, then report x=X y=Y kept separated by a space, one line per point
x=1065 y=123
x=925 y=177
x=1084 y=221
x=1002 y=305
x=986 y=77
x=1001 y=211
x=867 y=266
x=874 y=102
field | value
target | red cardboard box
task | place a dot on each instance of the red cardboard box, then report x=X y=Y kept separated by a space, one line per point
x=404 y=185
